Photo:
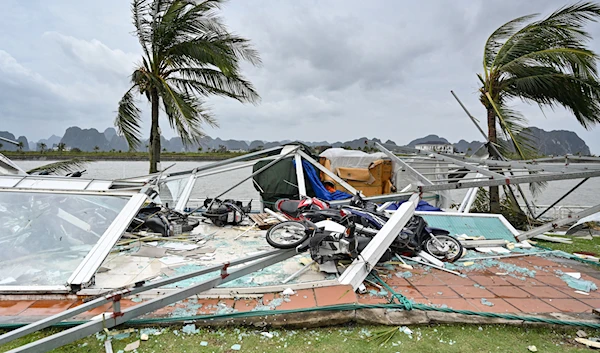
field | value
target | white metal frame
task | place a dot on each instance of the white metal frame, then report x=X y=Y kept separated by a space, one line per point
x=356 y=273
x=85 y=271
x=90 y=264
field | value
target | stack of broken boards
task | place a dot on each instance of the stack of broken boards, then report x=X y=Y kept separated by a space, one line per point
x=372 y=181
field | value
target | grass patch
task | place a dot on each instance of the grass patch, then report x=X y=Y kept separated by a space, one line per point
x=588 y=246
x=350 y=339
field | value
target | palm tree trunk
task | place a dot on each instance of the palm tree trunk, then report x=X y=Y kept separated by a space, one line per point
x=494 y=190
x=154 y=149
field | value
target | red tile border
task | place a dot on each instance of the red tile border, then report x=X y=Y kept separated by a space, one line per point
x=48 y=307
x=14 y=307
x=334 y=295
x=453 y=303
x=244 y=305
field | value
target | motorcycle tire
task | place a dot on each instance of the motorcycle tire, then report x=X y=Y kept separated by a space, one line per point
x=289 y=229
x=456 y=248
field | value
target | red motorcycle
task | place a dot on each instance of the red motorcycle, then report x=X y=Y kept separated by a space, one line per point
x=308 y=208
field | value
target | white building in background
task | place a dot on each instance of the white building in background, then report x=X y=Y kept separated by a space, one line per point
x=436 y=146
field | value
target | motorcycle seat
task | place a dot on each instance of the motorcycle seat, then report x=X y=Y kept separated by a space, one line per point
x=289 y=207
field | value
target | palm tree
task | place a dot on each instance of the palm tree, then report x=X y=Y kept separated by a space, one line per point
x=20 y=146
x=42 y=146
x=188 y=54
x=61 y=146
x=545 y=62
x=96 y=148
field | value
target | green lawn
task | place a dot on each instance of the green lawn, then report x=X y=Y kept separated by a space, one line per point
x=589 y=246
x=350 y=339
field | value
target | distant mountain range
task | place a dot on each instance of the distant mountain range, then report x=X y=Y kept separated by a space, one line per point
x=557 y=142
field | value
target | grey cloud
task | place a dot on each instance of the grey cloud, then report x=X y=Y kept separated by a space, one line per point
x=333 y=70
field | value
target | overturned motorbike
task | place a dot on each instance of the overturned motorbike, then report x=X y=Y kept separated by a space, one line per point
x=325 y=240
x=162 y=220
x=225 y=212
x=367 y=221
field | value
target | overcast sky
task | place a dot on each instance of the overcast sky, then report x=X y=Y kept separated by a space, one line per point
x=332 y=70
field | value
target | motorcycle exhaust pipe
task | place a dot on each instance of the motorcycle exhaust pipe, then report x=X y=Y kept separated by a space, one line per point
x=365 y=230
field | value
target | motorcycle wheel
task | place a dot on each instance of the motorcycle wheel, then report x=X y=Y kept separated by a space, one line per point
x=454 y=252
x=287 y=235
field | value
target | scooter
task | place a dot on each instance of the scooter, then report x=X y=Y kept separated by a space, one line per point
x=325 y=240
x=416 y=236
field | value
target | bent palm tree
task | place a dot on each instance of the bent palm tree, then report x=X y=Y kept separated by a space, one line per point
x=545 y=62
x=188 y=53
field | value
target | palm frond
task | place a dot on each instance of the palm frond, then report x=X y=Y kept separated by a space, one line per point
x=495 y=42
x=67 y=166
x=185 y=113
x=510 y=123
x=185 y=20
x=188 y=52
x=207 y=81
x=143 y=29
x=579 y=95
x=128 y=120
x=561 y=29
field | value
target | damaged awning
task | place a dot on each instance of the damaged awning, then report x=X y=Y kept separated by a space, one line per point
x=56 y=231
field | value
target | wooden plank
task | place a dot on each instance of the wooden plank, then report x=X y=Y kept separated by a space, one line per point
x=263 y=220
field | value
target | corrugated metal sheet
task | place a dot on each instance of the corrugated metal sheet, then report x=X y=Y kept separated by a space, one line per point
x=489 y=227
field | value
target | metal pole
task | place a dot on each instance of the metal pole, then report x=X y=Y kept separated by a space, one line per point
x=67 y=336
x=356 y=273
x=558 y=222
x=9 y=141
x=561 y=198
x=470 y=116
x=299 y=272
x=51 y=320
x=495 y=151
x=328 y=172
x=410 y=169
x=300 y=176
x=525 y=179
x=227 y=161
x=250 y=176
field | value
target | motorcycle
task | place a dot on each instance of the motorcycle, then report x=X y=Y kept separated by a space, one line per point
x=225 y=212
x=165 y=221
x=325 y=240
x=415 y=237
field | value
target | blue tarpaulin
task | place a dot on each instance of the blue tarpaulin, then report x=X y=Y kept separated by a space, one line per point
x=422 y=206
x=318 y=186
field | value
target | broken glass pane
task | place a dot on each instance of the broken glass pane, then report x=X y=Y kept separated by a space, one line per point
x=44 y=236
